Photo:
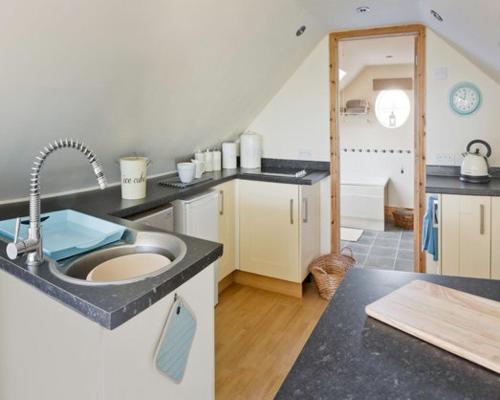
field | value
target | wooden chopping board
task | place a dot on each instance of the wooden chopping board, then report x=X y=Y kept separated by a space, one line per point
x=461 y=323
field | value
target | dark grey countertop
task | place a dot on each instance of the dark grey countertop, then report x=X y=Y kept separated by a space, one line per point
x=352 y=356
x=452 y=185
x=111 y=306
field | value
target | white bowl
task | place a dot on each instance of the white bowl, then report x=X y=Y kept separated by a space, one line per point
x=186 y=171
x=127 y=267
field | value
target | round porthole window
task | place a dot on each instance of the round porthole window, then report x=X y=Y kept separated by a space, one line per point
x=392 y=108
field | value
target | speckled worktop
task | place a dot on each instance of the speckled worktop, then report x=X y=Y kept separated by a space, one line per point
x=444 y=180
x=111 y=306
x=352 y=356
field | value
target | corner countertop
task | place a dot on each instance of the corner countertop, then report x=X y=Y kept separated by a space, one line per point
x=128 y=300
x=352 y=356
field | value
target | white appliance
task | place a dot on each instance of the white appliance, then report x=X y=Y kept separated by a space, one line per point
x=250 y=150
x=161 y=218
x=475 y=167
x=198 y=216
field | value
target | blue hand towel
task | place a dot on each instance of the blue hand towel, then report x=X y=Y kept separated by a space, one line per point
x=429 y=232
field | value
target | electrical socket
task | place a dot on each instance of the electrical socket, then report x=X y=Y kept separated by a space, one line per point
x=305 y=154
x=445 y=158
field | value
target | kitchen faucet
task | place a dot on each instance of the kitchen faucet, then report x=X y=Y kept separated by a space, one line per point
x=33 y=244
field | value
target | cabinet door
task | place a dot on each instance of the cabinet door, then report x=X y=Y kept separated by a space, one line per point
x=310 y=230
x=466 y=235
x=227 y=227
x=269 y=229
x=495 y=237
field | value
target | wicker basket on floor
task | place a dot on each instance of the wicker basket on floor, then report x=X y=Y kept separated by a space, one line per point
x=328 y=271
x=403 y=219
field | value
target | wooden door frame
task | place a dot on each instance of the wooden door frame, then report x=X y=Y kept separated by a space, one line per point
x=418 y=31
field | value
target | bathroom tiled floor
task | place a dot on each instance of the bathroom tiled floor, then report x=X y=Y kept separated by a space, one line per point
x=391 y=250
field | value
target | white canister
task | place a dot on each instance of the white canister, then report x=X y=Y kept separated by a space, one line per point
x=199 y=156
x=217 y=160
x=250 y=150
x=133 y=177
x=209 y=160
x=229 y=155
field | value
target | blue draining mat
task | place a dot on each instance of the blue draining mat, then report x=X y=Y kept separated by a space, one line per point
x=67 y=233
x=173 y=351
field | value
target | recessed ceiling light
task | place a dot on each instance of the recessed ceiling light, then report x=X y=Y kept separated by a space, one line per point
x=301 y=30
x=436 y=15
x=363 y=10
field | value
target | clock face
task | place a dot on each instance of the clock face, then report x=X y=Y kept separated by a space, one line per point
x=465 y=98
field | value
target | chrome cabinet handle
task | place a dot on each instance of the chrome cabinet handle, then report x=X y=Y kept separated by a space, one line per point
x=221 y=202
x=481 y=225
x=306 y=210
x=291 y=211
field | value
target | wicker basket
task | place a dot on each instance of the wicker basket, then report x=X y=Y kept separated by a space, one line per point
x=403 y=219
x=328 y=271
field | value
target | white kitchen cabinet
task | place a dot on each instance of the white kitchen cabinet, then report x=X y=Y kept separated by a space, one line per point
x=466 y=236
x=227 y=226
x=495 y=237
x=279 y=229
x=310 y=229
x=67 y=356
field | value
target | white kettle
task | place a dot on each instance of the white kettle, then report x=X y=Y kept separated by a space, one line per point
x=475 y=167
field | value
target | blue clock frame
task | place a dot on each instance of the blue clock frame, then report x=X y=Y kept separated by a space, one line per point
x=466 y=85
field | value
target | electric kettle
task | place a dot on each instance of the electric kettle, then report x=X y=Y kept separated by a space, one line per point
x=475 y=167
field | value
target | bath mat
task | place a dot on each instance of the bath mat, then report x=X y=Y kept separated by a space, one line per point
x=350 y=234
x=173 y=352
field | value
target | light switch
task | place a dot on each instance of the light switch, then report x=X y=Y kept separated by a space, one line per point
x=441 y=73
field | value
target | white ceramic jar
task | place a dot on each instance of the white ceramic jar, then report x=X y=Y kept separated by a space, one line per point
x=133 y=177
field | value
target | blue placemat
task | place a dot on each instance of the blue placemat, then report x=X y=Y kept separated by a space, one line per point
x=177 y=337
x=66 y=233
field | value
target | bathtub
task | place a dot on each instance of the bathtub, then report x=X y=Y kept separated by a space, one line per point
x=362 y=202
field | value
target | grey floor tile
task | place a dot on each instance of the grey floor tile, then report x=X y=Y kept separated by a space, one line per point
x=386 y=242
x=404 y=265
x=389 y=235
x=366 y=240
x=407 y=235
x=382 y=262
x=369 y=234
x=405 y=254
x=408 y=245
x=383 y=251
x=367 y=266
x=360 y=258
x=359 y=248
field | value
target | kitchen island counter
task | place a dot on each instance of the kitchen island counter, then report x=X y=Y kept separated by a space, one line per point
x=352 y=356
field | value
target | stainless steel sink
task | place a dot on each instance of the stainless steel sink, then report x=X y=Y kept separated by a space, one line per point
x=76 y=269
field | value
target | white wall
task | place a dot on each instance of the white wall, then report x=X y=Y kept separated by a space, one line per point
x=295 y=123
x=160 y=78
x=365 y=132
x=448 y=133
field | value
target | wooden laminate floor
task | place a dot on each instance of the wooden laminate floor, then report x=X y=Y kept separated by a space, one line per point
x=258 y=337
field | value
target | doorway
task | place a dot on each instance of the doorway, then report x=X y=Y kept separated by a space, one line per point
x=377 y=145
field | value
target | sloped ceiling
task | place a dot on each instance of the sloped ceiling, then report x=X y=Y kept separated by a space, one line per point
x=165 y=77
x=471 y=27
x=356 y=55
x=159 y=77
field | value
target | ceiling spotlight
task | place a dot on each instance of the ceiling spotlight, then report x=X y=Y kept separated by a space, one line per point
x=436 y=15
x=301 y=30
x=363 y=10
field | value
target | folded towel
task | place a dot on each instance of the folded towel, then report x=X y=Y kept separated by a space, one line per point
x=429 y=231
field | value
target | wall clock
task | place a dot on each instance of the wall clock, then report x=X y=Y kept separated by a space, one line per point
x=465 y=98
